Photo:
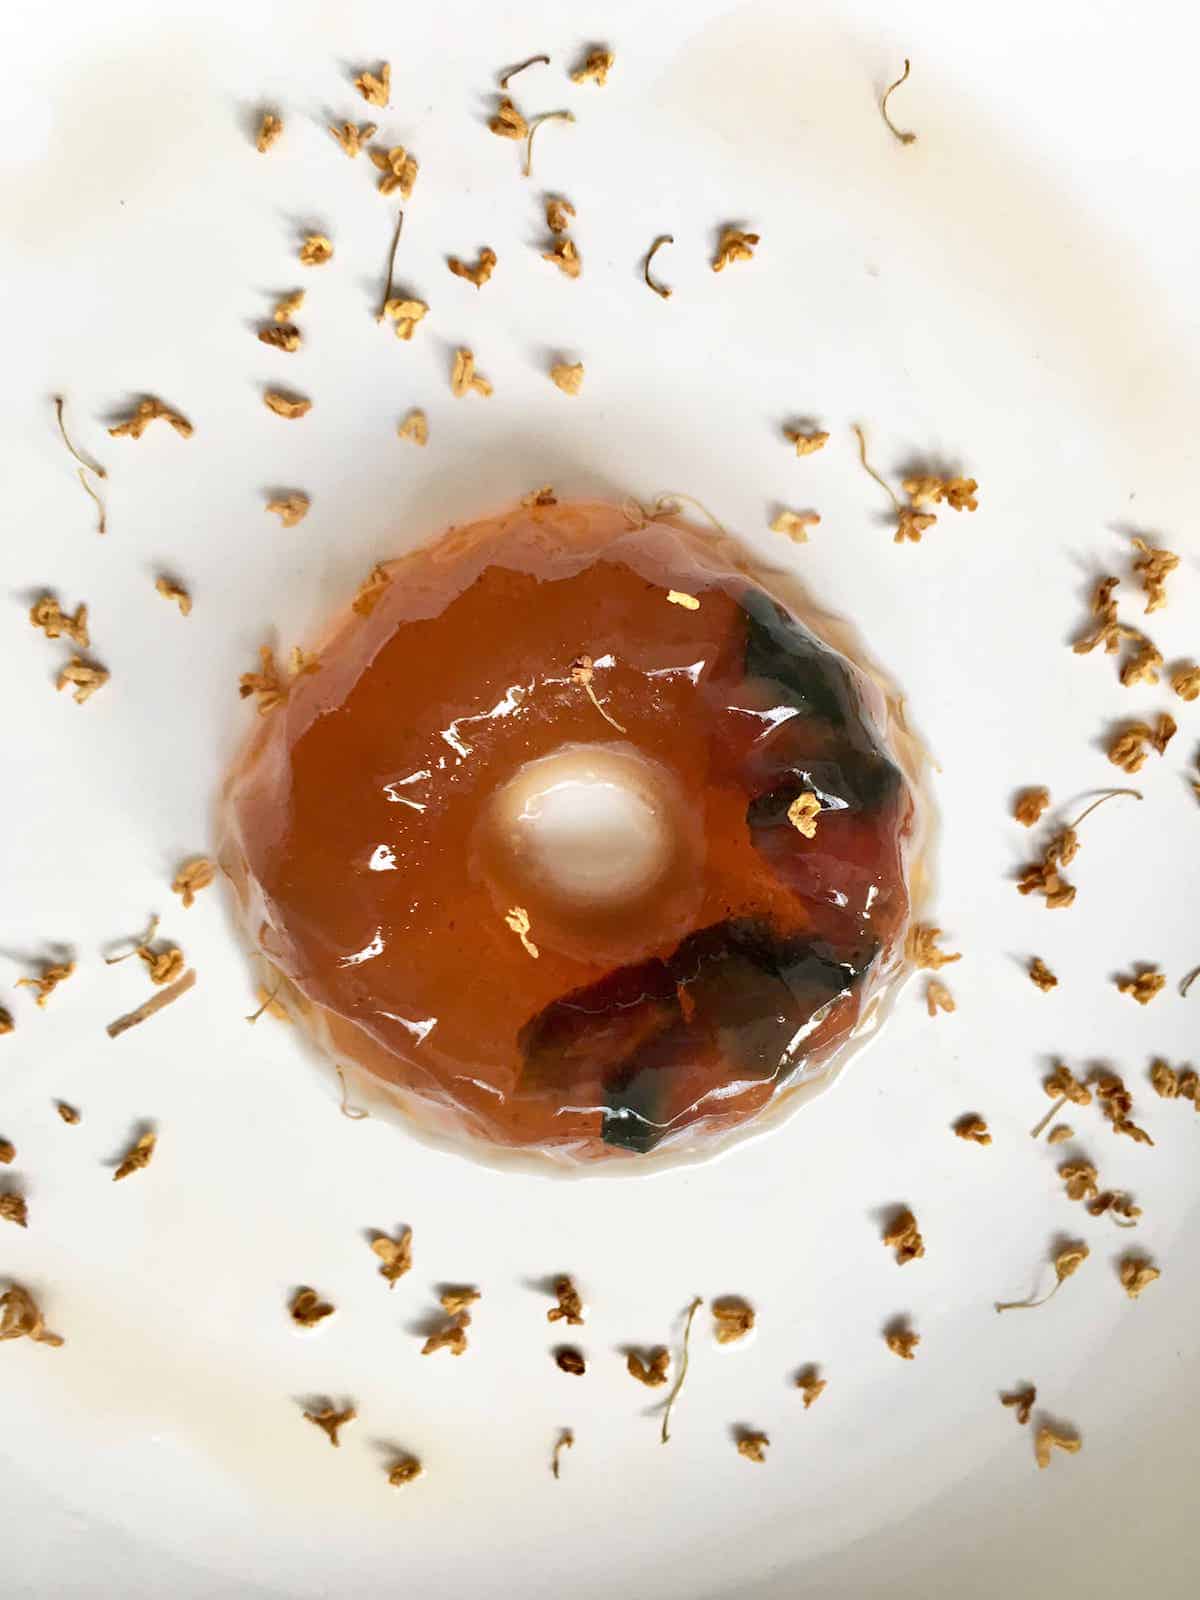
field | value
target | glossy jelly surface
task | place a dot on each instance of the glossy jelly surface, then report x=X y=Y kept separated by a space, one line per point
x=519 y=849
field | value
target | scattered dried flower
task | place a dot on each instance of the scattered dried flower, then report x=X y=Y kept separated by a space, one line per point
x=803 y=813
x=565 y=257
x=1153 y=566
x=596 y=67
x=136 y=1157
x=404 y=315
x=570 y=1307
x=452 y=1337
x=508 y=123
x=534 y=124
x=1029 y=806
x=47 y=980
x=1143 y=986
x=734 y=246
x=938 y=998
x=286 y=405
x=903 y=1236
x=330 y=1420
x=86 y=464
x=806 y=444
x=307 y=1308
x=148 y=1008
x=354 y=139
x=265 y=685
x=315 y=250
x=1040 y=973
x=733 y=1319
x=194 y=875
x=403 y=1471
x=568 y=1359
x=170 y=590
x=518 y=920
x=1127 y=749
x=415 y=427
x=464 y=378
x=812 y=1386
x=148 y=411
x=66 y=1112
x=911 y=524
x=1137 y=1274
x=8 y=1152
x=689 y=1315
x=1023 y=1401
x=1142 y=666
x=1185 y=681
x=511 y=72
x=795 y=524
x=752 y=1446
x=20 y=1317
x=567 y=376
x=479 y=273
x=287 y=306
x=653 y=1370
x=1048 y=1440
x=269 y=129
x=164 y=966
x=929 y=490
x=290 y=508
x=395 y=1254
x=46 y=614
x=1115 y=1204
x=558 y=213
x=676 y=597
x=564 y=1442
x=13 y=1208
x=1066 y=1263
x=903 y=135
x=974 y=1129
x=902 y=1342
x=371 y=590
x=375 y=89
x=920 y=946
x=1079 y=1178
x=660 y=289
x=544 y=495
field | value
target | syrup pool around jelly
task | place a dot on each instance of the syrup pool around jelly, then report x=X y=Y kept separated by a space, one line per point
x=561 y=908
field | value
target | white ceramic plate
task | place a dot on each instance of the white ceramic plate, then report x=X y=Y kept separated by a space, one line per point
x=1016 y=292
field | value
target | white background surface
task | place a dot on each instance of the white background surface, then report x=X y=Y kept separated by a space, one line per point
x=1016 y=291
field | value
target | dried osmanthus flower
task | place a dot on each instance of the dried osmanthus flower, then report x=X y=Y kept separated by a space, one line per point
x=48 y=980
x=974 y=1129
x=1143 y=986
x=1066 y=1263
x=13 y=1208
x=46 y=614
x=403 y=1471
x=1049 y=1440
x=1044 y=878
x=414 y=427
x=806 y=443
x=148 y=411
x=20 y=1317
x=534 y=124
x=570 y=1307
x=1153 y=567
x=596 y=67
x=567 y=376
x=938 y=998
x=902 y=1342
x=84 y=677
x=931 y=490
x=463 y=377
x=269 y=130
x=307 y=1308
x=1061 y=1086
x=353 y=138
x=170 y=590
x=570 y=1360
x=68 y=1113
x=803 y=813
x=920 y=946
x=565 y=257
x=290 y=406
x=330 y=1420
x=395 y=1254
x=452 y=1335
x=1116 y=1204
x=903 y=135
x=1127 y=748
x=315 y=250
x=544 y=495
x=811 y=1386
x=1022 y=1401
x=1079 y=1177
x=194 y=875
x=733 y=1319
x=796 y=524
x=734 y=246
x=375 y=88
x=85 y=465
x=1061 y=1134
x=564 y=1442
x=508 y=123
x=136 y=1157
x=558 y=213
x=8 y=1152
x=290 y=508
x=287 y=306
x=371 y=590
x=689 y=1317
x=511 y=72
x=1107 y=631
x=651 y=1370
x=752 y=1446
x=903 y=1236
x=456 y=1299
x=479 y=273
x=911 y=522
x=265 y=685
x=660 y=289
x=1029 y=806
x=6 y=1026
x=164 y=966
x=1137 y=1274
x=1040 y=973
x=1185 y=681
x=518 y=920
x=404 y=315
x=1117 y=1103
x=583 y=668
x=1143 y=664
